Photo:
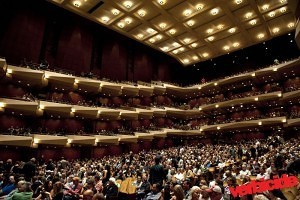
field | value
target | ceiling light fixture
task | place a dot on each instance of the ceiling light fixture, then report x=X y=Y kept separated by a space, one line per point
x=232 y=30
x=194 y=45
x=159 y=37
x=191 y=22
x=260 y=35
x=175 y=44
x=199 y=6
x=77 y=3
x=121 y=25
x=181 y=49
x=105 y=19
x=175 y=51
x=283 y=1
x=209 y=31
x=275 y=30
x=172 y=31
x=265 y=7
x=128 y=20
x=165 y=48
x=291 y=25
x=186 y=60
x=115 y=11
x=205 y=55
x=150 y=30
x=220 y=26
x=128 y=4
x=152 y=40
x=226 y=48
x=271 y=14
x=162 y=25
x=236 y=44
x=195 y=58
x=283 y=9
x=248 y=15
x=253 y=22
x=214 y=11
x=161 y=2
x=142 y=13
x=187 y=40
x=140 y=36
x=211 y=38
x=187 y=12
x=238 y=1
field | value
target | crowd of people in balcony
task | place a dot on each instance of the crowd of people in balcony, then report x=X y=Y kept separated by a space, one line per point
x=198 y=172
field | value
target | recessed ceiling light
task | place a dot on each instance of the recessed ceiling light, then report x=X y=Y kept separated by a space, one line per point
x=265 y=7
x=152 y=40
x=121 y=25
x=172 y=31
x=175 y=51
x=165 y=48
x=205 y=55
x=128 y=4
x=77 y=3
x=128 y=20
x=214 y=11
x=283 y=9
x=191 y=22
x=187 y=12
x=260 y=35
x=195 y=58
x=105 y=19
x=220 y=26
x=161 y=2
x=248 y=15
x=142 y=13
x=158 y=37
x=186 y=60
x=181 y=49
x=226 y=47
x=275 y=30
x=232 y=30
x=291 y=25
x=271 y=14
x=162 y=25
x=253 y=22
x=194 y=45
x=209 y=31
x=199 y=6
x=150 y=30
x=236 y=44
x=175 y=44
x=211 y=38
x=115 y=11
x=238 y=1
x=140 y=36
x=283 y=1
x=187 y=40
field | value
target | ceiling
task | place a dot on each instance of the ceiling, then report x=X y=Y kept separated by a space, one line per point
x=191 y=31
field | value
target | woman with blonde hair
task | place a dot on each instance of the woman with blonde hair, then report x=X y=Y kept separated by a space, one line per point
x=195 y=193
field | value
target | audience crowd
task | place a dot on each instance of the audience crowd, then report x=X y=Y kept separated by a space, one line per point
x=201 y=172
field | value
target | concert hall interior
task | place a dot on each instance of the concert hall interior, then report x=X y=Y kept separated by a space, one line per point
x=149 y=99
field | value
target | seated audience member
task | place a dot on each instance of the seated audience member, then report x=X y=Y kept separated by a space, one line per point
x=155 y=193
x=143 y=188
x=10 y=186
x=24 y=192
x=73 y=191
x=178 y=193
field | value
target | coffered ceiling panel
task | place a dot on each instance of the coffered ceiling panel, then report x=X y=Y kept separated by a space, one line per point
x=190 y=30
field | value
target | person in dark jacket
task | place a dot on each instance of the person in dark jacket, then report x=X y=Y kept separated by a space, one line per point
x=29 y=169
x=157 y=173
x=111 y=189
